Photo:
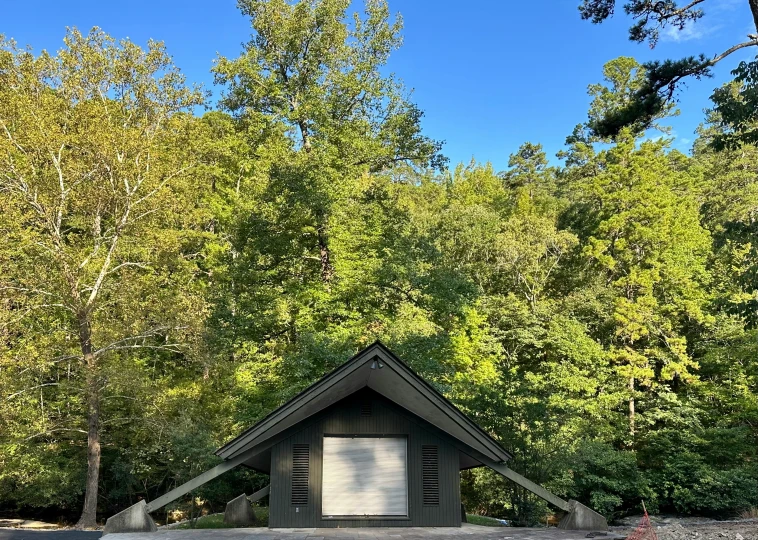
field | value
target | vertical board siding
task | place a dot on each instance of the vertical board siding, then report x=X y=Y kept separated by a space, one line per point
x=348 y=417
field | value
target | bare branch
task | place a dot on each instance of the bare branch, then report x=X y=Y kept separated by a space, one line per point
x=55 y=430
x=162 y=183
x=11 y=139
x=125 y=264
x=132 y=342
x=107 y=262
x=26 y=289
x=54 y=361
x=8 y=398
x=171 y=347
x=663 y=16
x=720 y=57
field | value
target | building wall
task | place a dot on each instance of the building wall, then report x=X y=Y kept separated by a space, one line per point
x=346 y=418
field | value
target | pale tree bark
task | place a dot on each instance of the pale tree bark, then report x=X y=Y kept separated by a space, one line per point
x=304 y=135
x=631 y=406
x=81 y=307
x=88 y=519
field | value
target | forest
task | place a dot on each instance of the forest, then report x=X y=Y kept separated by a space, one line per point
x=173 y=269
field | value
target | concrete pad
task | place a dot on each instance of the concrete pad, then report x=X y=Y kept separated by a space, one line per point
x=582 y=518
x=134 y=519
x=239 y=512
x=468 y=532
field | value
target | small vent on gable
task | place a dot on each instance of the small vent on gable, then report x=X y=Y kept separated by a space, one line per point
x=366 y=409
x=430 y=474
x=300 y=472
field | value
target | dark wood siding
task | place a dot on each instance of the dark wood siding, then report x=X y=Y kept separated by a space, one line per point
x=349 y=417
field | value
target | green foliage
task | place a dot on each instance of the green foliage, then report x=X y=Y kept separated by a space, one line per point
x=709 y=471
x=654 y=92
x=649 y=96
x=608 y=478
x=599 y=319
x=735 y=105
x=630 y=99
x=651 y=17
x=216 y=521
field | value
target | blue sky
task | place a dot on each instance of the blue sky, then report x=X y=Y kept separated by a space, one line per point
x=490 y=74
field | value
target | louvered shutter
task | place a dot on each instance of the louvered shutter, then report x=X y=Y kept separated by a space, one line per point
x=430 y=475
x=365 y=476
x=366 y=409
x=300 y=470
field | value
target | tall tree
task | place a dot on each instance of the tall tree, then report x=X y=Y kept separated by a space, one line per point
x=644 y=234
x=321 y=120
x=91 y=171
x=315 y=75
x=617 y=99
x=662 y=78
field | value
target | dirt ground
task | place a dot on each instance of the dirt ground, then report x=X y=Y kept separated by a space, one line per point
x=689 y=530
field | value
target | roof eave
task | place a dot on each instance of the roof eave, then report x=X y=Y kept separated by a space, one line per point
x=494 y=450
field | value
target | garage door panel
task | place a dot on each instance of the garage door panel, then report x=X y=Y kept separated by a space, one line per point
x=365 y=476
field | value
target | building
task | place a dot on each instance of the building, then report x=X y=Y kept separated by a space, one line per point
x=371 y=444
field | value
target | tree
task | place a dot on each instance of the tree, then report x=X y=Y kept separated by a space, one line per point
x=322 y=124
x=734 y=113
x=314 y=76
x=96 y=194
x=529 y=167
x=662 y=78
x=644 y=234
x=618 y=98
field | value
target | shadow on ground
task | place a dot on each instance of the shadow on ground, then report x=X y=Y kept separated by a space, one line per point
x=26 y=534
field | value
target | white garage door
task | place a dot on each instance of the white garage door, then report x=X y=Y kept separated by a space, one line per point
x=365 y=476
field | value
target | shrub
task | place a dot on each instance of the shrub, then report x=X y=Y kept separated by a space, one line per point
x=606 y=479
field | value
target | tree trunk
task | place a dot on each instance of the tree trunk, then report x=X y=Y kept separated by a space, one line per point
x=88 y=519
x=304 y=134
x=631 y=406
x=754 y=10
x=323 y=245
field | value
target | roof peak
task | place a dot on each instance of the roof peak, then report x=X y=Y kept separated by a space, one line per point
x=393 y=379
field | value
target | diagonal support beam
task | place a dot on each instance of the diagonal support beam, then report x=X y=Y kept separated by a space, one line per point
x=258 y=495
x=527 y=484
x=196 y=482
x=578 y=517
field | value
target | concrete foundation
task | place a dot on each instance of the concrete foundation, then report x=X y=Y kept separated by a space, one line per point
x=239 y=512
x=582 y=518
x=133 y=519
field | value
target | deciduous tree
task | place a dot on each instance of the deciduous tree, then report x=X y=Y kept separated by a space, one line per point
x=96 y=198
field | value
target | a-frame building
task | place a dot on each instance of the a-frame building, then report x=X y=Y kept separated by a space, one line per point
x=369 y=444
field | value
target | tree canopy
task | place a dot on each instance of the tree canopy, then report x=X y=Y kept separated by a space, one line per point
x=170 y=275
x=652 y=94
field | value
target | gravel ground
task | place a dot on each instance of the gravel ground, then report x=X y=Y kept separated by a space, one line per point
x=690 y=529
x=665 y=528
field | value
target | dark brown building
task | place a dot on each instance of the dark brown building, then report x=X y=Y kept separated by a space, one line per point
x=370 y=444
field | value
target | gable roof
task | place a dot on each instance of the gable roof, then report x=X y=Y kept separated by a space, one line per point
x=375 y=367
